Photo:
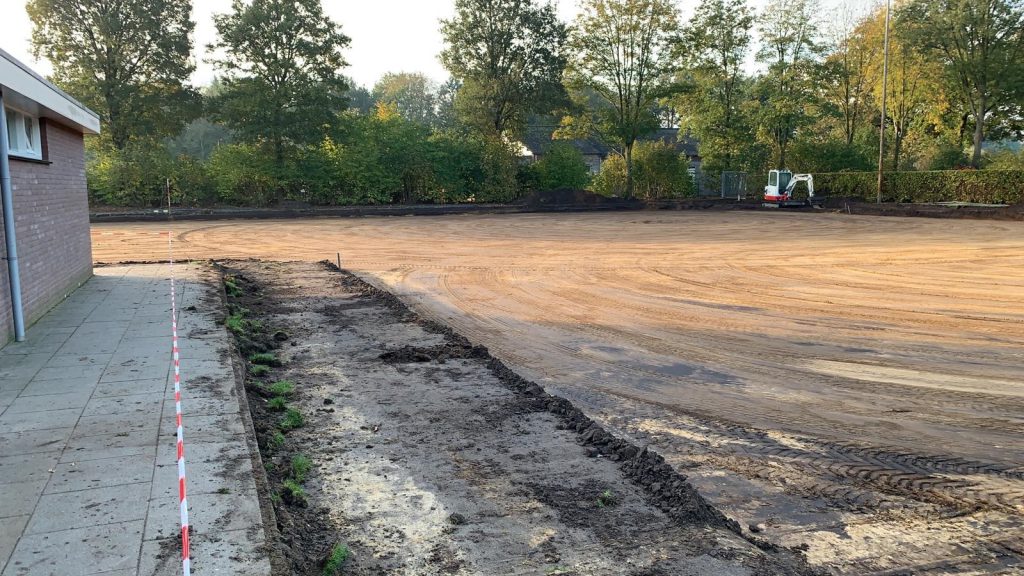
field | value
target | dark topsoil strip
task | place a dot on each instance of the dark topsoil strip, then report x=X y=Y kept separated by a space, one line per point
x=306 y=532
x=305 y=535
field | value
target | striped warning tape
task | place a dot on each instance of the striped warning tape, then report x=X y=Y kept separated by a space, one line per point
x=182 y=498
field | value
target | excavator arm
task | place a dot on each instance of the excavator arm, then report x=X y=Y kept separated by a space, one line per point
x=809 y=178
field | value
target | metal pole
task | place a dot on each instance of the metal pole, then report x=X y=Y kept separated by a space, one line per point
x=885 y=92
x=10 y=239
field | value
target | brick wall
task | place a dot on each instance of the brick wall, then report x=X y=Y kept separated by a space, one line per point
x=51 y=211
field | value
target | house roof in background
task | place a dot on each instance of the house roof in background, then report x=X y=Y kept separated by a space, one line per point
x=24 y=89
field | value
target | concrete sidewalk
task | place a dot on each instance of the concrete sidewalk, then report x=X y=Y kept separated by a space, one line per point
x=88 y=476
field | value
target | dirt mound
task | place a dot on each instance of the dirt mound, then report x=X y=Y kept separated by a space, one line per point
x=570 y=197
x=440 y=354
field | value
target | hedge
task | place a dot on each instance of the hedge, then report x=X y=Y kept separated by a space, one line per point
x=983 y=186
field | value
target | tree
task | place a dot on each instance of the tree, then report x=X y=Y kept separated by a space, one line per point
x=127 y=59
x=509 y=57
x=413 y=95
x=850 y=71
x=713 y=47
x=789 y=48
x=915 y=84
x=621 y=67
x=282 y=60
x=981 y=46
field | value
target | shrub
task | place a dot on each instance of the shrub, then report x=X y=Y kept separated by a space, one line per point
x=659 y=171
x=139 y=175
x=985 y=186
x=244 y=175
x=561 y=166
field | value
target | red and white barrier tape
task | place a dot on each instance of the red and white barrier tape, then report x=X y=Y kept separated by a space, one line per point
x=183 y=500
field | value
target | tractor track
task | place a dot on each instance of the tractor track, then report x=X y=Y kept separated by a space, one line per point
x=854 y=392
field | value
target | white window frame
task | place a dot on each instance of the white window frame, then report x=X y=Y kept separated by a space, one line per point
x=23 y=134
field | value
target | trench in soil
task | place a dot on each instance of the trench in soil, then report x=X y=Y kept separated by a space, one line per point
x=419 y=453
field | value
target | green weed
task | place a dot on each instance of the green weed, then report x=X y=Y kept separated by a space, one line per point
x=259 y=370
x=300 y=467
x=231 y=287
x=282 y=388
x=606 y=499
x=292 y=419
x=277 y=404
x=277 y=440
x=236 y=323
x=335 y=561
x=293 y=492
x=265 y=358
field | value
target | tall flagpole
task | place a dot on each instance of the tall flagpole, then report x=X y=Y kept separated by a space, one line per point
x=885 y=92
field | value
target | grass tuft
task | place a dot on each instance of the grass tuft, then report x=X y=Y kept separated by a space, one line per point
x=232 y=287
x=265 y=359
x=282 y=388
x=277 y=440
x=277 y=404
x=259 y=370
x=301 y=465
x=339 y=554
x=293 y=492
x=292 y=419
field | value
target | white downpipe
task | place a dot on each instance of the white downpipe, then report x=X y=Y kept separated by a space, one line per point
x=10 y=239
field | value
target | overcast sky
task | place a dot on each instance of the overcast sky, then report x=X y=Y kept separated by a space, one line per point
x=387 y=35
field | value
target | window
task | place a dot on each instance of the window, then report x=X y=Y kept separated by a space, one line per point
x=23 y=135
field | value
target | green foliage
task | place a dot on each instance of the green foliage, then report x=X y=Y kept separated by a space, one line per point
x=292 y=419
x=243 y=175
x=259 y=370
x=947 y=156
x=265 y=358
x=831 y=155
x=561 y=166
x=509 y=56
x=980 y=43
x=293 y=493
x=335 y=561
x=301 y=465
x=607 y=499
x=129 y=62
x=411 y=94
x=231 y=287
x=986 y=186
x=277 y=440
x=714 y=46
x=786 y=94
x=621 y=68
x=659 y=172
x=282 y=63
x=282 y=388
x=138 y=175
x=1006 y=160
x=236 y=323
x=277 y=404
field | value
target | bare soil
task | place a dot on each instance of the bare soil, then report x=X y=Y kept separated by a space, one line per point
x=851 y=384
x=431 y=457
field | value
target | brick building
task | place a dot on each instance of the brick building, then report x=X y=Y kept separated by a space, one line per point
x=47 y=193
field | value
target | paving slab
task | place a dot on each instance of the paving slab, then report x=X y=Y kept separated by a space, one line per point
x=88 y=465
